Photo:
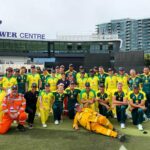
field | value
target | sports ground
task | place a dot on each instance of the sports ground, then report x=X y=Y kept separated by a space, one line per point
x=63 y=137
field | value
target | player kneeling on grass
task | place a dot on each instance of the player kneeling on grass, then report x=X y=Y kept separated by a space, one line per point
x=120 y=101
x=103 y=99
x=13 y=107
x=95 y=122
x=45 y=99
x=137 y=100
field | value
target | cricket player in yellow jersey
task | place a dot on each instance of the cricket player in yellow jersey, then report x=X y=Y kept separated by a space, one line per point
x=122 y=77
x=8 y=80
x=58 y=74
x=95 y=122
x=2 y=95
x=81 y=69
x=33 y=77
x=52 y=81
x=111 y=86
x=81 y=81
x=87 y=97
x=46 y=100
x=93 y=80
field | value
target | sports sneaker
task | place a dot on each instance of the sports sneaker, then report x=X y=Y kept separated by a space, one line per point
x=56 y=122
x=140 y=127
x=20 y=128
x=121 y=137
x=44 y=125
x=30 y=126
x=122 y=125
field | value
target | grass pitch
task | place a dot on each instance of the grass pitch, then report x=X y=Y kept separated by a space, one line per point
x=63 y=137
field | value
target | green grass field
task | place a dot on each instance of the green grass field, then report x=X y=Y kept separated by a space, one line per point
x=63 y=137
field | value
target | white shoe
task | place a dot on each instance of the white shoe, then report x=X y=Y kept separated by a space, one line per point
x=44 y=125
x=140 y=127
x=56 y=122
x=122 y=125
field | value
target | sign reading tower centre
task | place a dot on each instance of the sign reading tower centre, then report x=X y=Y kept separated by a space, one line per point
x=22 y=35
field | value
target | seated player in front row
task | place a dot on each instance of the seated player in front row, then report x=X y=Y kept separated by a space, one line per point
x=95 y=122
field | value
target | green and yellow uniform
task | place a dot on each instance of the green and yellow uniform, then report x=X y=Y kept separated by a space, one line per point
x=33 y=78
x=58 y=104
x=72 y=100
x=86 y=96
x=94 y=82
x=102 y=77
x=7 y=83
x=92 y=121
x=71 y=72
x=137 y=113
x=132 y=81
x=105 y=97
x=21 y=80
x=46 y=101
x=58 y=75
x=53 y=83
x=124 y=80
x=44 y=78
x=121 y=110
x=2 y=95
x=81 y=83
x=78 y=75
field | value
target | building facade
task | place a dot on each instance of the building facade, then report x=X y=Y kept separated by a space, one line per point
x=135 y=34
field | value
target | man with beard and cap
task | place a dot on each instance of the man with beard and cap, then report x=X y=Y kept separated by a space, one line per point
x=52 y=81
x=81 y=69
x=137 y=100
x=44 y=76
x=93 y=80
x=95 y=122
x=13 y=107
x=33 y=77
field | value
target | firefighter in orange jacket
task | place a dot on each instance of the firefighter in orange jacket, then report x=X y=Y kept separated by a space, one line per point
x=94 y=122
x=13 y=107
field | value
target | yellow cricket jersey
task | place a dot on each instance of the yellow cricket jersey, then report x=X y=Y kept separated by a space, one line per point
x=81 y=83
x=8 y=82
x=78 y=75
x=53 y=83
x=87 y=96
x=124 y=80
x=111 y=83
x=94 y=81
x=33 y=78
x=58 y=75
x=85 y=117
x=46 y=98
x=2 y=95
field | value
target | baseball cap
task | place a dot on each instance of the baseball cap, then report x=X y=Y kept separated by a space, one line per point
x=34 y=85
x=62 y=66
x=47 y=85
x=72 y=82
x=87 y=84
x=135 y=86
x=91 y=70
x=16 y=70
x=121 y=68
x=70 y=65
x=9 y=69
x=53 y=71
x=32 y=66
x=110 y=69
x=81 y=67
x=101 y=85
x=38 y=68
x=14 y=87
x=60 y=84
x=57 y=67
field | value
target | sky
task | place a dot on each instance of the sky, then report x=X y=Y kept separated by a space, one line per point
x=56 y=17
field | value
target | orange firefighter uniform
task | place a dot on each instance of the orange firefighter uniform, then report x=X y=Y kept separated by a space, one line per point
x=95 y=122
x=12 y=105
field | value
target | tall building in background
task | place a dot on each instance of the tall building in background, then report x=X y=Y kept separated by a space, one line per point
x=135 y=34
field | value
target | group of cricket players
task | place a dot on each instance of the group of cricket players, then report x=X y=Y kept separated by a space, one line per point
x=63 y=90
